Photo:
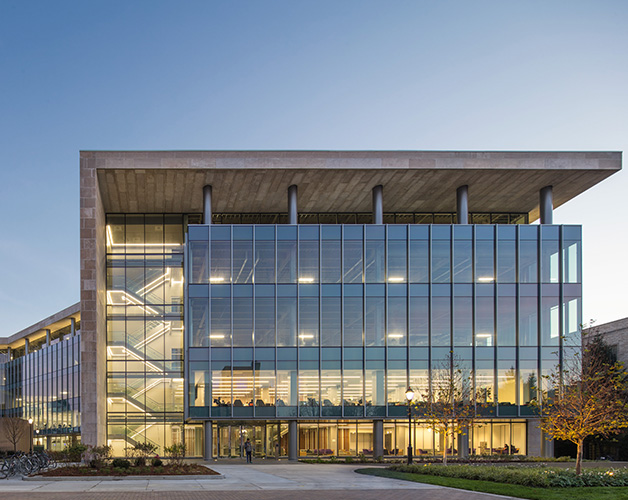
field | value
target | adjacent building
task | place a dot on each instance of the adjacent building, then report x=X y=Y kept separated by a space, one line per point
x=293 y=296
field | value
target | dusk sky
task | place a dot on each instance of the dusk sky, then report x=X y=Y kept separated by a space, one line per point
x=268 y=74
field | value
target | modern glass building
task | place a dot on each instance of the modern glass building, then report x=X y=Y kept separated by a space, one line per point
x=293 y=297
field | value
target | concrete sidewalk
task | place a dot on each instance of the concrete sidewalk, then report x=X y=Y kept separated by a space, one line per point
x=256 y=481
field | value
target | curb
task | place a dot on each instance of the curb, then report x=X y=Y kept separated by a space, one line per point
x=122 y=478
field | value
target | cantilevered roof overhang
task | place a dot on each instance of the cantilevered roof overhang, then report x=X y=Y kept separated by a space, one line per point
x=341 y=181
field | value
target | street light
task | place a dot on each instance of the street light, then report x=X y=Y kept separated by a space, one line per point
x=409 y=398
x=30 y=423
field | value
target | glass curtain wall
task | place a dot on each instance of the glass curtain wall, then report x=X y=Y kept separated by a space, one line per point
x=337 y=320
x=145 y=331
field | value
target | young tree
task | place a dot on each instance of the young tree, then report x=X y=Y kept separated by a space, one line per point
x=452 y=404
x=14 y=429
x=587 y=397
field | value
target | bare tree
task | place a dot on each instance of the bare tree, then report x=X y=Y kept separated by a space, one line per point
x=587 y=397
x=452 y=404
x=14 y=430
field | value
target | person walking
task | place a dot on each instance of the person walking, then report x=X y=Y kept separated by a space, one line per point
x=248 y=448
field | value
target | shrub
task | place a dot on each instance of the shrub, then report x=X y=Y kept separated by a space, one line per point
x=349 y=460
x=156 y=462
x=74 y=452
x=176 y=453
x=95 y=456
x=120 y=463
x=524 y=476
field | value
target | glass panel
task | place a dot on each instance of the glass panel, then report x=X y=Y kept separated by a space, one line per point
x=330 y=321
x=463 y=272
x=264 y=321
x=374 y=321
x=264 y=261
x=463 y=321
x=528 y=261
x=506 y=320
x=528 y=380
x=353 y=317
x=506 y=267
x=396 y=261
x=309 y=392
x=286 y=261
x=353 y=261
x=571 y=259
x=286 y=321
x=441 y=326
x=199 y=257
x=440 y=261
x=220 y=261
x=375 y=264
x=220 y=333
x=331 y=387
x=549 y=261
x=353 y=393
x=484 y=261
x=243 y=261
x=330 y=261
x=484 y=321
x=242 y=321
x=419 y=261
x=286 y=387
x=506 y=380
x=308 y=261
x=419 y=321
x=308 y=321
x=528 y=321
x=265 y=388
x=550 y=320
x=397 y=321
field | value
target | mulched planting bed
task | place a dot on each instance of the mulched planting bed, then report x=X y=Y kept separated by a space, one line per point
x=166 y=470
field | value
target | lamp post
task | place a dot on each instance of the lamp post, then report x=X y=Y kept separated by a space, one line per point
x=409 y=398
x=30 y=432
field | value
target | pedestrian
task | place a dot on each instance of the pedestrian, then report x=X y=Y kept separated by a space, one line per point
x=249 y=451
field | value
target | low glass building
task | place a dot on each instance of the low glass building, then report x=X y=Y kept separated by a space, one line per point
x=293 y=297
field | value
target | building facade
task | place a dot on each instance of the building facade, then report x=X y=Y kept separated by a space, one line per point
x=293 y=297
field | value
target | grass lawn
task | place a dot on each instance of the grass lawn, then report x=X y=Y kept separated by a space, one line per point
x=512 y=490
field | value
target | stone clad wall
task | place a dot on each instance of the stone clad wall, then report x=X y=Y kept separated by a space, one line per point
x=93 y=311
x=614 y=333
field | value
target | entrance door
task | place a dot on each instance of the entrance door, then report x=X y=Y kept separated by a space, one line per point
x=231 y=439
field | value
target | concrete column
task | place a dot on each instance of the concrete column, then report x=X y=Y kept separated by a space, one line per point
x=9 y=354
x=47 y=336
x=26 y=346
x=293 y=440
x=209 y=436
x=378 y=439
x=207 y=204
x=534 y=438
x=547 y=446
x=293 y=216
x=462 y=199
x=72 y=327
x=463 y=444
x=378 y=204
x=546 y=203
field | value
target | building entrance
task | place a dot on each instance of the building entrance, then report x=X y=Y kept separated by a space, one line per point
x=270 y=440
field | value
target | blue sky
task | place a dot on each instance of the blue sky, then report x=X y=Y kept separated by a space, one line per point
x=446 y=75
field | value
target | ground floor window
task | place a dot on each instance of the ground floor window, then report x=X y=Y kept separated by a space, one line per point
x=355 y=438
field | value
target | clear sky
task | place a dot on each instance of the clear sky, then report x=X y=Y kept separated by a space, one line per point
x=270 y=74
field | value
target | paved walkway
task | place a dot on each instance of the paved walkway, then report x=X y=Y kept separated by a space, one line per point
x=280 y=481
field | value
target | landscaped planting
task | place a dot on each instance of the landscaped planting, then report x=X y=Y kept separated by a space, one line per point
x=523 y=475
